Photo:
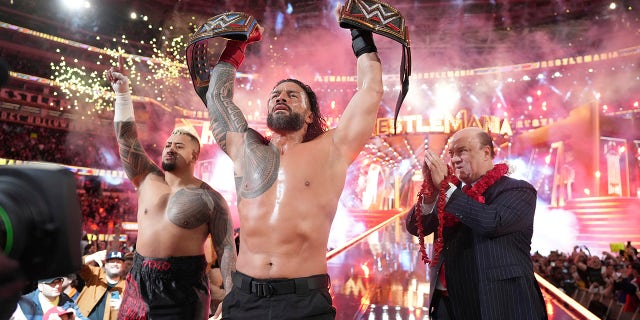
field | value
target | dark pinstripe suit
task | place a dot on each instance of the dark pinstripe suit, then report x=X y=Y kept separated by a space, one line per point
x=488 y=263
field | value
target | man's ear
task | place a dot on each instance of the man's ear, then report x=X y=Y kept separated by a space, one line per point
x=309 y=118
x=487 y=152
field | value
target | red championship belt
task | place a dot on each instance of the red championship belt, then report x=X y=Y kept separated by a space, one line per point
x=383 y=19
x=229 y=25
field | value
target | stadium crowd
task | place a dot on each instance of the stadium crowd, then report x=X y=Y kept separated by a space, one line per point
x=607 y=284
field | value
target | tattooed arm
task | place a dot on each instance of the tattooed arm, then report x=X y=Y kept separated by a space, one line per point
x=228 y=124
x=135 y=161
x=221 y=231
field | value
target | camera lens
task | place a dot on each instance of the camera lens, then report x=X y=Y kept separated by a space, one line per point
x=18 y=214
x=40 y=219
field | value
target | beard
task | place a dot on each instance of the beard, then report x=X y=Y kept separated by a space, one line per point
x=113 y=273
x=291 y=122
x=168 y=166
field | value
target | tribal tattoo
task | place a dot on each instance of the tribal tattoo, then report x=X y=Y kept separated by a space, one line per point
x=261 y=160
x=189 y=207
x=224 y=114
x=260 y=167
x=135 y=161
x=221 y=231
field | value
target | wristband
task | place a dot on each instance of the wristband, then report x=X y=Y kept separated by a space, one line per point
x=123 y=107
x=362 y=42
x=385 y=20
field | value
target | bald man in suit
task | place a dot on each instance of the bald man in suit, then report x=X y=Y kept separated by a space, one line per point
x=483 y=268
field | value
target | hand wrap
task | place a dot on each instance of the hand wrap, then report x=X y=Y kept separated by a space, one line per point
x=234 y=51
x=123 y=107
x=362 y=42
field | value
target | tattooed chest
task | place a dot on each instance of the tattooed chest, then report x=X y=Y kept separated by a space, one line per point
x=189 y=208
x=260 y=172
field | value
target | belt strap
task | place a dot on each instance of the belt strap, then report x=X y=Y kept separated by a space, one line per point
x=267 y=288
x=381 y=18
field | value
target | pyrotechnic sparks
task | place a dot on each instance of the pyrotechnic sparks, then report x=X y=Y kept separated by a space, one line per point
x=161 y=76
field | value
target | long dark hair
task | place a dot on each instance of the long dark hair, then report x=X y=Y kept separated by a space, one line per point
x=319 y=124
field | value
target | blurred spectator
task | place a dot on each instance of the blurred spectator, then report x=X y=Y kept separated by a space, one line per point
x=629 y=284
x=91 y=247
x=70 y=286
x=580 y=260
x=35 y=304
x=630 y=252
x=59 y=313
x=101 y=296
x=561 y=279
x=595 y=280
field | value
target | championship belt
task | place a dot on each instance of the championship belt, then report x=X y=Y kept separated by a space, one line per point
x=383 y=19
x=229 y=25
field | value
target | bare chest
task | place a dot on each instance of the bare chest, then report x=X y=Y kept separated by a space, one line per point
x=296 y=169
x=186 y=208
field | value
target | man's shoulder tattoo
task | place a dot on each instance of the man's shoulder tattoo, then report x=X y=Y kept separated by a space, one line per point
x=261 y=164
x=189 y=208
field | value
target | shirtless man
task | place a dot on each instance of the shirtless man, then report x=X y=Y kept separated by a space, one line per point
x=176 y=214
x=288 y=188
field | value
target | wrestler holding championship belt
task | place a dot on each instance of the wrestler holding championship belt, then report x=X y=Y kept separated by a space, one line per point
x=386 y=21
x=288 y=186
x=237 y=26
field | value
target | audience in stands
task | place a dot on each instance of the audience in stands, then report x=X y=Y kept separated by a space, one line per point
x=606 y=285
x=35 y=143
x=629 y=284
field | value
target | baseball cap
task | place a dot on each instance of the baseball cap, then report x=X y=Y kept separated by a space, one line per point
x=59 y=311
x=115 y=255
x=49 y=280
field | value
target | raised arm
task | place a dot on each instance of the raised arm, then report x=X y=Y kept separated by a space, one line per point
x=358 y=119
x=135 y=161
x=228 y=124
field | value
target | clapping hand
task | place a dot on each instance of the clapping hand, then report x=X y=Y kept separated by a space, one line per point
x=434 y=168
